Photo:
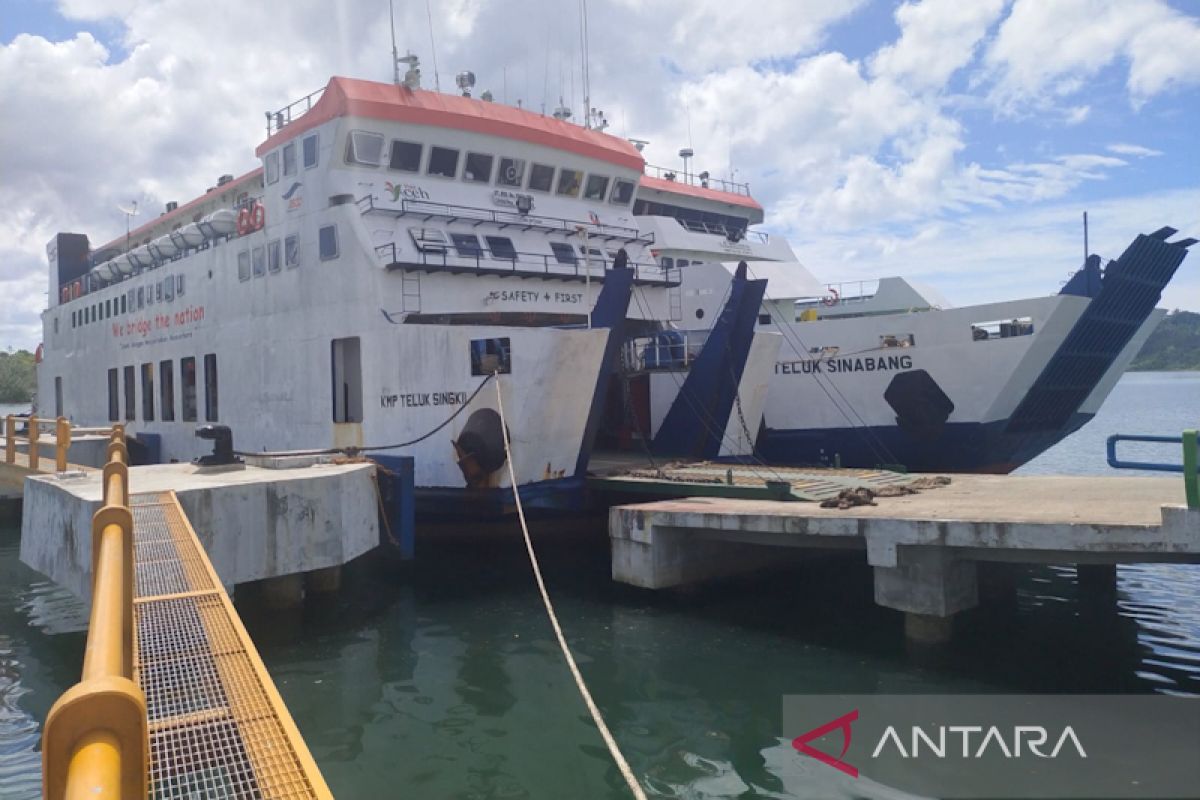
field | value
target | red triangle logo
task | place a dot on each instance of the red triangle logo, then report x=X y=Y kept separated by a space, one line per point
x=843 y=722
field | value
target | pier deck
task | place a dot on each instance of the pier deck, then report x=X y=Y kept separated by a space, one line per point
x=924 y=548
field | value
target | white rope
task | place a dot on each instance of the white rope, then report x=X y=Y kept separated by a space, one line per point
x=615 y=751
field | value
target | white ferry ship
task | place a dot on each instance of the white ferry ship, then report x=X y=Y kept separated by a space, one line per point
x=887 y=372
x=395 y=248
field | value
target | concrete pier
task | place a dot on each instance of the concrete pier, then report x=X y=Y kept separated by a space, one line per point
x=254 y=523
x=925 y=548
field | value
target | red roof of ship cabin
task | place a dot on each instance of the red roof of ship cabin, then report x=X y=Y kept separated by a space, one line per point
x=387 y=101
x=676 y=187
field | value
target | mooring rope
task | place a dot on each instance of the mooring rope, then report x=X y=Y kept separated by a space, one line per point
x=615 y=751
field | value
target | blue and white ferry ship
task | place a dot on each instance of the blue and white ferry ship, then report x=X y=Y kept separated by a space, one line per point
x=887 y=372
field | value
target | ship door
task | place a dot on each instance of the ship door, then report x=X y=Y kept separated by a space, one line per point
x=346 y=373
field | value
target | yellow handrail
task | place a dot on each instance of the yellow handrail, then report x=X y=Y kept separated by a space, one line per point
x=63 y=430
x=95 y=743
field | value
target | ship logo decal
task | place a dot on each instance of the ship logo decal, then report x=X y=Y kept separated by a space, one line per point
x=295 y=187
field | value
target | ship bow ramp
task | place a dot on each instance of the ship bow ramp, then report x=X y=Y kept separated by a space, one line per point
x=1104 y=338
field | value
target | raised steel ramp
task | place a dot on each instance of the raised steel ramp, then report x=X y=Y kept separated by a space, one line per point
x=217 y=726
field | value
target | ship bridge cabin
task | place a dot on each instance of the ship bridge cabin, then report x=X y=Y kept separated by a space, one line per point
x=694 y=217
x=449 y=184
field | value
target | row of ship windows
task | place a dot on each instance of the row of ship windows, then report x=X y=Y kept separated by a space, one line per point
x=164 y=291
x=501 y=248
x=366 y=149
x=166 y=390
x=258 y=261
x=308 y=152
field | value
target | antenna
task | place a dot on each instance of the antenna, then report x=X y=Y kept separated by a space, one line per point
x=437 y=83
x=129 y=213
x=395 y=52
x=585 y=78
x=1085 y=238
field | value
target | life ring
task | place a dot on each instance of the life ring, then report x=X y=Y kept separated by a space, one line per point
x=244 y=221
x=510 y=174
x=76 y=290
x=38 y=353
x=258 y=216
x=832 y=299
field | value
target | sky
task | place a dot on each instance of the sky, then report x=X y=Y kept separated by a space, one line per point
x=955 y=142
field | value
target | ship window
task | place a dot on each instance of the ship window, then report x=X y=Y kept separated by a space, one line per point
x=622 y=192
x=130 y=388
x=491 y=355
x=310 y=151
x=244 y=265
x=258 y=257
x=406 y=156
x=272 y=164
x=289 y=158
x=764 y=319
x=1002 y=329
x=443 y=161
x=512 y=172
x=501 y=247
x=166 y=382
x=107 y=309
x=273 y=260
x=58 y=396
x=364 y=147
x=72 y=319
x=141 y=296
x=148 y=392
x=541 y=178
x=428 y=240
x=682 y=262
x=187 y=377
x=210 y=387
x=327 y=243
x=169 y=289
x=114 y=404
x=595 y=254
x=597 y=187
x=667 y=262
x=467 y=244
x=478 y=168
x=291 y=251
x=178 y=289
x=564 y=253
x=568 y=182
x=124 y=298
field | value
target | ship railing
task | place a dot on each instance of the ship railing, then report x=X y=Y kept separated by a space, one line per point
x=96 y=735
x=426 y=210
x=664 y=351
x=278 y=120
x=522 y=264
x=720 y=229
x=1188 y=466
x=31 y=438
x=701 y=179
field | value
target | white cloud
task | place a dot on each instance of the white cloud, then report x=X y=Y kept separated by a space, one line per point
x=1045 y=51
x=870 y=152
x=938 y=37
x=1125 y=149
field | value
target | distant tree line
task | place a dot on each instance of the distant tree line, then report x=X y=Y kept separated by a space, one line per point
x=1174 y=345
x=18 y=381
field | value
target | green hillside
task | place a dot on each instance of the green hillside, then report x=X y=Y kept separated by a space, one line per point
x=1174 y=345
x=17 y=379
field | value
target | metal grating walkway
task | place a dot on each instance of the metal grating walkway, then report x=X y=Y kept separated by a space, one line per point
x=218 y=727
